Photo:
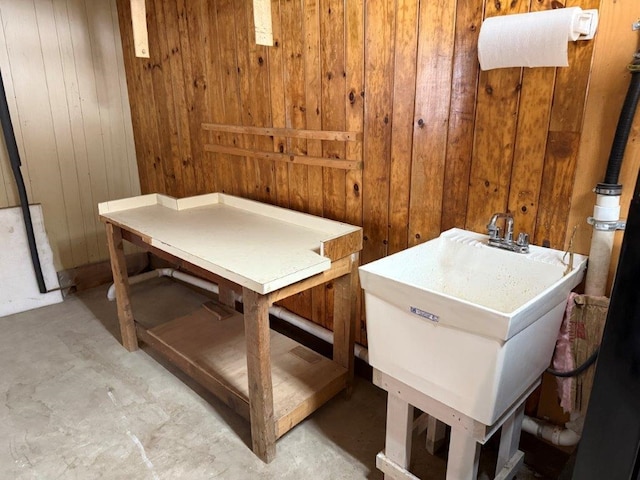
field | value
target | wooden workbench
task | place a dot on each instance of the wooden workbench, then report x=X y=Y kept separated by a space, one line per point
x=265 y=254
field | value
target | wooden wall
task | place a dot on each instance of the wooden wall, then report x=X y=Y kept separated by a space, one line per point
x=63 y=72
x=444 y=144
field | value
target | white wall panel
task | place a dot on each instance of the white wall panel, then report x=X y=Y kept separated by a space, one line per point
x=61 y=61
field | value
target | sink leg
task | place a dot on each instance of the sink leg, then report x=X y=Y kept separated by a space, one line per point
x=510 y=437
x=399 y=430
x=464 y=455
x=436 y=433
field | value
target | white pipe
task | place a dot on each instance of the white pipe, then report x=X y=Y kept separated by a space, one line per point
x=563 y=437
x=275 y=310
x=606 y=209
x=111 y=293
x=599 y=263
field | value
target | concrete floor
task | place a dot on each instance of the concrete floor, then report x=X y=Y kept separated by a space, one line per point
x=78 y=406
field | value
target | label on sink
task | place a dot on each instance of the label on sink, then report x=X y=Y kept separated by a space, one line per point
x=424 y=314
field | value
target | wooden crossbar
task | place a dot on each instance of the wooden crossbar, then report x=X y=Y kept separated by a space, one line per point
x=333 y=135
x=286 y=157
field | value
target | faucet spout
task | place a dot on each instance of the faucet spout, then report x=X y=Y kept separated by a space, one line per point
x=506 y=241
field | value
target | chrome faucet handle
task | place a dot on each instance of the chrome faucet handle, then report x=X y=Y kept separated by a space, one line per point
x=494 y=231
x=523 y=239
x=508 y=225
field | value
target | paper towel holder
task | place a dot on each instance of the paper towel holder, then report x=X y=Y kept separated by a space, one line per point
x=586 y=24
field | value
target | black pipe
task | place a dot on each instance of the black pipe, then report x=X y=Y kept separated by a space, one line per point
x=14 y=159
x=578 y=370
x=619 y=145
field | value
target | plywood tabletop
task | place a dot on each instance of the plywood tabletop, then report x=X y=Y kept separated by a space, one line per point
x=258 y=246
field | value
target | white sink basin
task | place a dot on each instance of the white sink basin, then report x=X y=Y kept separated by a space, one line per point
x=470 y=325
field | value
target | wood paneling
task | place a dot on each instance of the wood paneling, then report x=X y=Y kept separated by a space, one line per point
x=62 y=66
x=443 y=144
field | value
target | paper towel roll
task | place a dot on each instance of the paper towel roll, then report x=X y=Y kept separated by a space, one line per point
x=536 y=39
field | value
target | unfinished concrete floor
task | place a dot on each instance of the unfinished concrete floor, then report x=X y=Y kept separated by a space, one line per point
x=75 y=405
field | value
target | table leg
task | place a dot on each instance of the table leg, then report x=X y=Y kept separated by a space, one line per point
x=226 y=295
x=397 y=446
x=436 y=433
x=121 y=282
x=344 y=318
x=256 y=327
x=464 y=455
x=510 y=437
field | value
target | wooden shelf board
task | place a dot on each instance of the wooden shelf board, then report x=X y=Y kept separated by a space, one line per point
x=214 y=353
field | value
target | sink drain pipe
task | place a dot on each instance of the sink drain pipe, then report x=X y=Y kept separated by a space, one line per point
x=606 y=212
x=563 y=437
x=277 y=311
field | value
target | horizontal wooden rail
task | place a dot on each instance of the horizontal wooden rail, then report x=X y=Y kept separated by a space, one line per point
x=286 y=157
x=338 y=136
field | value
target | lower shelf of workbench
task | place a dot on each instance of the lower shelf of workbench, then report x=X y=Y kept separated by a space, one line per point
x=213 y=352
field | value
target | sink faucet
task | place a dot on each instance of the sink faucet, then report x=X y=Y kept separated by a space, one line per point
x=506 y=242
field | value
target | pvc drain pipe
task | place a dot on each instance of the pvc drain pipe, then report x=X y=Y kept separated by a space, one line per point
x=275 y=310
x=563 y=437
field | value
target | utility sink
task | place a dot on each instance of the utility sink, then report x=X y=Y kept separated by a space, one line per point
x=470 y=325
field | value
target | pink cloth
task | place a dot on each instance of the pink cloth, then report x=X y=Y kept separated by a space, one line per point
x=563 y=360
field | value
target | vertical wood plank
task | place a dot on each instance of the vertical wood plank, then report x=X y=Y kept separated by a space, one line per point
x=354 y=121
x=292 y=15
x=254 y=83
x=278 y=117
x=243 y=37
x=332 y=44
x=313 y=101
x=354 y=52
x=464 y=85
x=404 y=93
x=217 y=164
x=313 y=118
x=433 y=93
x=195 y=48
x=256 y=328
x=235 y=170
x=163 y=86
x=295 y=106
x=530 y=146
x=379 y=55
x=495 y=133
x=557 y=185
x=179 y=68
